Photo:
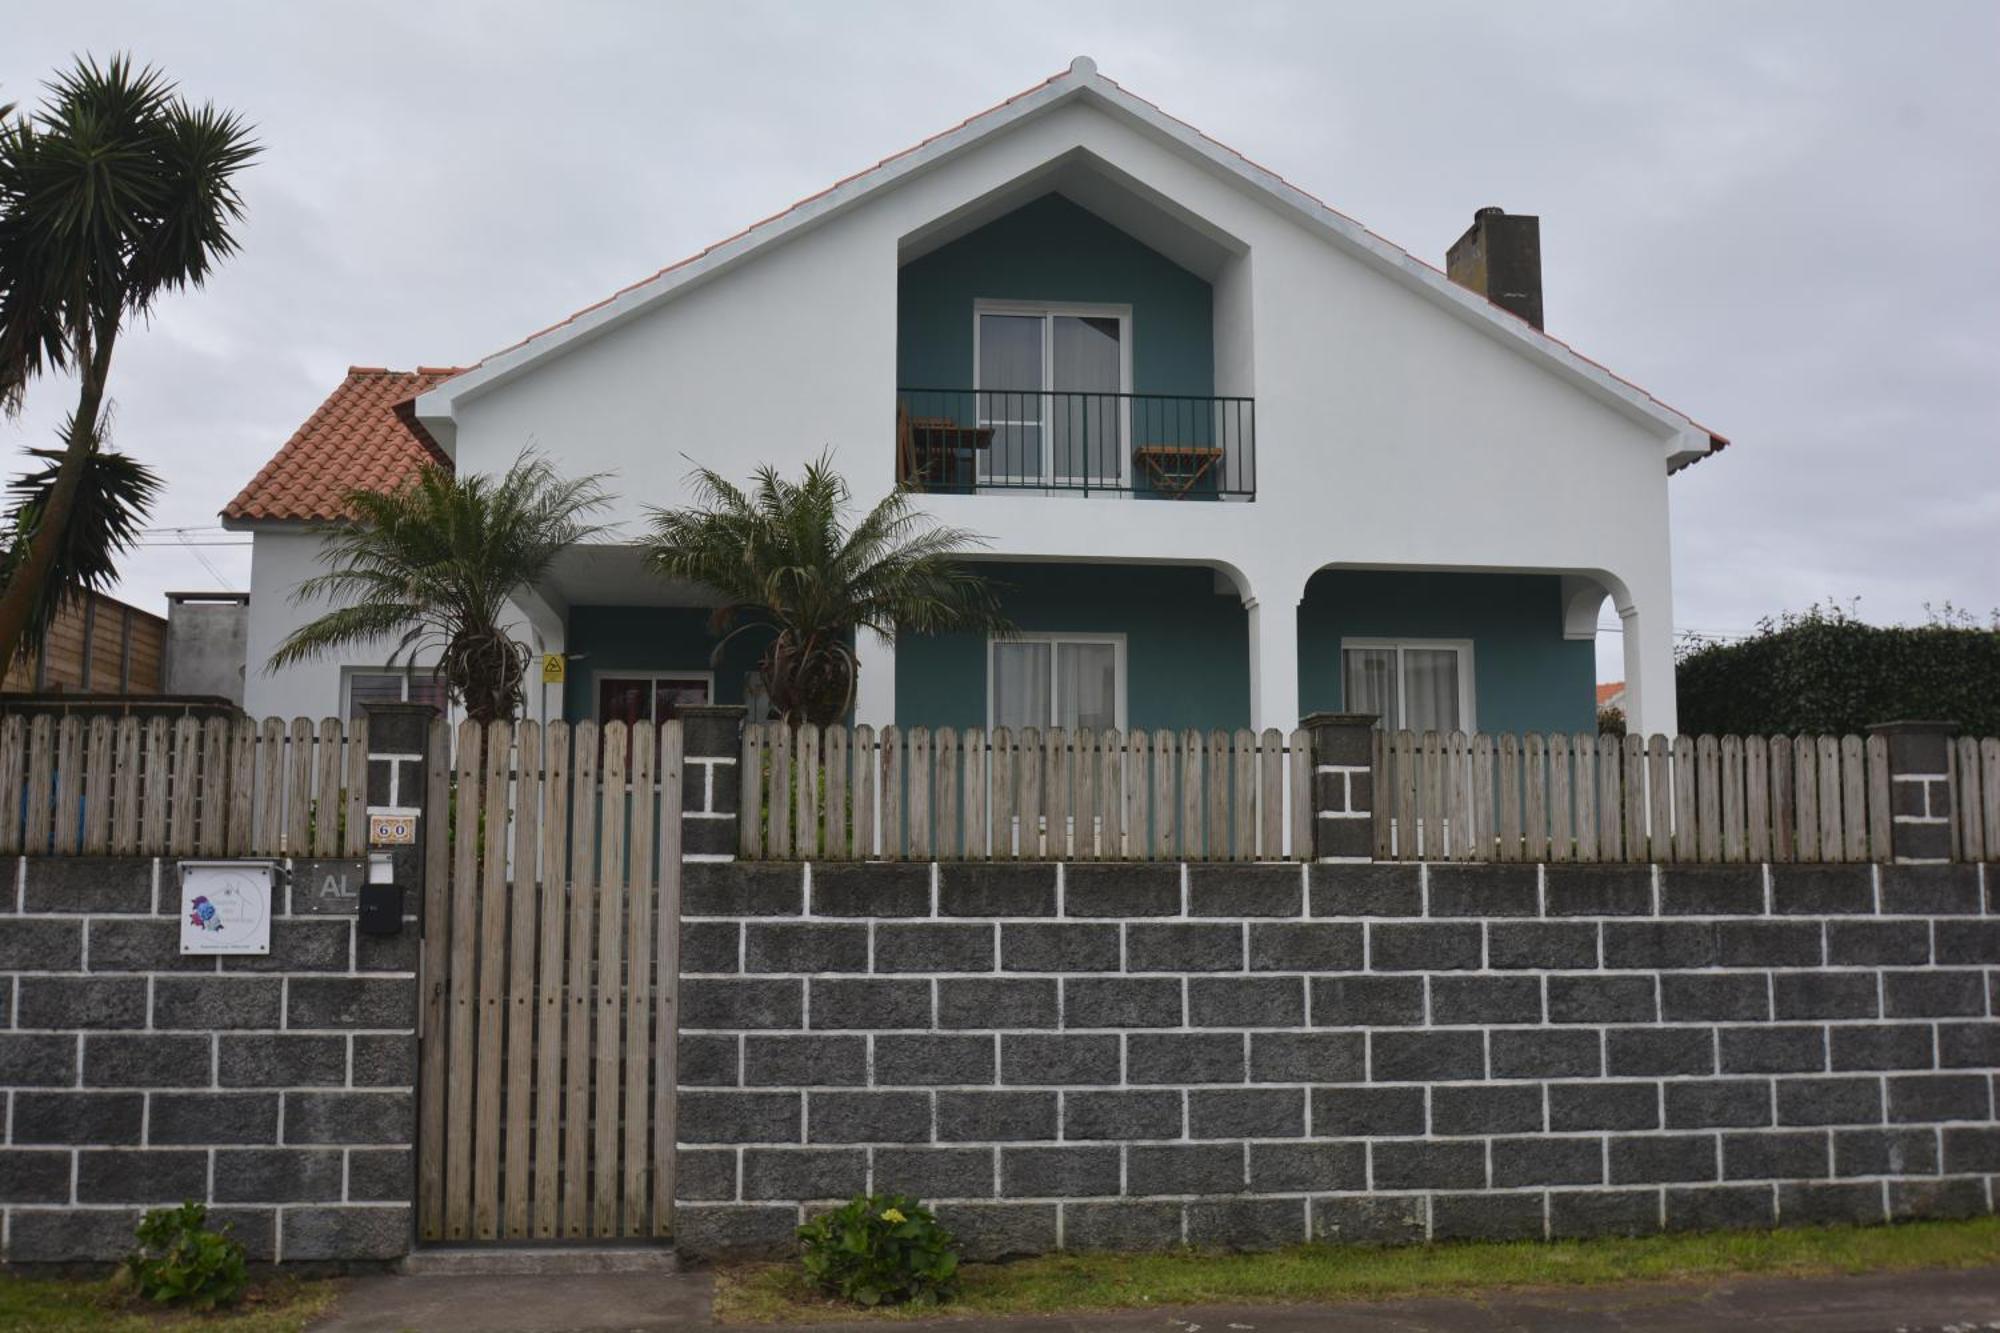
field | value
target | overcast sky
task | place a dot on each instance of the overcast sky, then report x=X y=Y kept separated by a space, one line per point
x=1781 y=218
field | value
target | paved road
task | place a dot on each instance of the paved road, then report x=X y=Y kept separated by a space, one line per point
x=646 y=1303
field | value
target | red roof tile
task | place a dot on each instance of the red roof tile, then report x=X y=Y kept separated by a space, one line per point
x=364 y=436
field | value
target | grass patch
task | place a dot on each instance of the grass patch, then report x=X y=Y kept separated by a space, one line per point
x=280 y=1305
x=1053 y=1284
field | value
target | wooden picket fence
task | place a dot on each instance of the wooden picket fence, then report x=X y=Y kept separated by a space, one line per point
x=1601 y=798
x=128 y=787
x=837 y=794
x=548 y=1063
x=1975 y=776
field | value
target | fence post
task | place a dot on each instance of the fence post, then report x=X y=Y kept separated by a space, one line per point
x=1920 y=790
x=711 y=787
x=398 y=745
x=1343 y=793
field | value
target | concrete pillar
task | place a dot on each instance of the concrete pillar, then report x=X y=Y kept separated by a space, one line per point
x=711 y=781
x=1650 y=703
x=875 y=691
x=1272 y=615
x=1920 y=790
x=398 y=743
x=1343 y=793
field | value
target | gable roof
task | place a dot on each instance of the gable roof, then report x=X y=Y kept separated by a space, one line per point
x=1080 y=81
x=364 y=436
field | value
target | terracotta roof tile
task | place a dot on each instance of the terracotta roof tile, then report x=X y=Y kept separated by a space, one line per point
x=364 y=436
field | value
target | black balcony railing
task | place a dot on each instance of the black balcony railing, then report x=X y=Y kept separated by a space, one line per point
x=1151 y=445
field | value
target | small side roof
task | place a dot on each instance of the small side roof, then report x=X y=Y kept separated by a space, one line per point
x=365 y=436
x=1080 y=81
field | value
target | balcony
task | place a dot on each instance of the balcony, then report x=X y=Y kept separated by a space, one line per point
x=1145 y=445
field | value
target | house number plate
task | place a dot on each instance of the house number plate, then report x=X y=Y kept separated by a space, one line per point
x=392 y=830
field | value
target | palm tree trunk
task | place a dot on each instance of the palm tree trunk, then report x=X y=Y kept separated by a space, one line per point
x=18 y=598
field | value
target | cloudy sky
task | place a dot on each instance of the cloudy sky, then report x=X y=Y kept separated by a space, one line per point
x=1779 y=217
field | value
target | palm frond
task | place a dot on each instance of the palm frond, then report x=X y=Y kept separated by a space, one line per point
x=112 y=502
x=113 y=192
x=435 y=562
x=783 y=556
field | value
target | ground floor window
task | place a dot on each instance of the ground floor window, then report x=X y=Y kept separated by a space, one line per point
x=1056 y=680
x=1410 y=684
x=649 y=696
x=362 y=686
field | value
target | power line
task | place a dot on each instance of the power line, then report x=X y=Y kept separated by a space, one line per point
x=208 y=565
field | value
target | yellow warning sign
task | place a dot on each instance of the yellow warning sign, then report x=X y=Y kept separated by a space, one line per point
x=552 y=668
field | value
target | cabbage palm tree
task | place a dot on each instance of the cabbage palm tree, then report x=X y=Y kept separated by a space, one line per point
x=431 y=565
x=113 y=194
x=787 y=566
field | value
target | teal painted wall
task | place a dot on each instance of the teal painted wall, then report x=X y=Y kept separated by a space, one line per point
x=649 y=638
x=1187 y=649
x=1526 y=676
x=1052 y=250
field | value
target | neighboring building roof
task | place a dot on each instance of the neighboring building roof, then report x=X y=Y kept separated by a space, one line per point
x=364 y=436
x=1610 y=693
x=1080 y=80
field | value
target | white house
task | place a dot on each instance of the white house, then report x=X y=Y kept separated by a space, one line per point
x=1236 y=457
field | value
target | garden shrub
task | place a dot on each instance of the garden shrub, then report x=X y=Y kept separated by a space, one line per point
x=181 y=1262
x=881 y=1249
x=1825 y=672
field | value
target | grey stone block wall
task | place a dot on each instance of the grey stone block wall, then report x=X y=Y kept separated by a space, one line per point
x=1093 y=1056
x=279 y=1089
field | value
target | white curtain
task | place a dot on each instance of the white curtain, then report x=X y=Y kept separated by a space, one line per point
x=1430 y=689
x=1010 y=401
x=1087 y=685
x=1370 y=684
x=1088 y=371
x=1020 y=685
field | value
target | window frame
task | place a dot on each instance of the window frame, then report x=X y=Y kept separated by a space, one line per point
x=707 y=678
x=1052 y=638
x=1468 y=694
x=404 y=675
x=1046 y=310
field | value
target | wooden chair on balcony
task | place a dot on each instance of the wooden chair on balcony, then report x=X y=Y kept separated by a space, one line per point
x=937 y=452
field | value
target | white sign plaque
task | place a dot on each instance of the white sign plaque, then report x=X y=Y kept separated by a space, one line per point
x=226 y=907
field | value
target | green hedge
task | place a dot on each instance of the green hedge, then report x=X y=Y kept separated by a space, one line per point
x=1826 y=672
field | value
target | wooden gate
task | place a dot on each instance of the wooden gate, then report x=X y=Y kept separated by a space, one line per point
x=550 y=962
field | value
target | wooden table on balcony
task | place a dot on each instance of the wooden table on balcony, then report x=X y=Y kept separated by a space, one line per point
x=937 y=451
x=1176 y=469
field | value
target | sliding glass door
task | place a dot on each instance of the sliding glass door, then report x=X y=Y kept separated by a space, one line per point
x=1049 y=385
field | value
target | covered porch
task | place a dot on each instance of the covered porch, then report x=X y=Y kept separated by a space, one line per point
x=634 y=647
x=1151 y=645
x=1180 y=646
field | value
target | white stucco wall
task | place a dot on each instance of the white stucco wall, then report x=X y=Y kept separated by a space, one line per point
x=1391 y=430
x=280 y=558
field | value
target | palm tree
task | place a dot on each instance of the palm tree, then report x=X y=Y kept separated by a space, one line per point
x=432 y=565
x=111 y=501
x=787 y=566
x=115 y=193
